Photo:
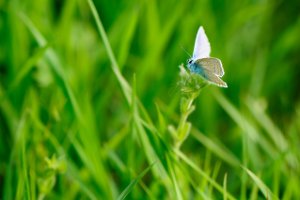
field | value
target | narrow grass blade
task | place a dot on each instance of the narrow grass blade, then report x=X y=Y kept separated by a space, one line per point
x=219 y=150
x=273 y=131
x=263 y=188
x=131 y=185
x=27 y=191
x=193 y=183
x=128 y=21
x=237 y=116
x=225 y=187
x=116 y=140
x=73 y=175
x=254 y=192
x=123 y=83
x=174 y=180
x=148 y=141
x=161 y=120
x=16 y=150
x=8 y=111
x=25 y=69
x=202 y=173
x=244 y=124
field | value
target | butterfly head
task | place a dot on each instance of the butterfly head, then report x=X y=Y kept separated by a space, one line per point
x=190 y=61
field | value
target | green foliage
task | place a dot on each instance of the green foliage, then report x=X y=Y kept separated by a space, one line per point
x=94 y=106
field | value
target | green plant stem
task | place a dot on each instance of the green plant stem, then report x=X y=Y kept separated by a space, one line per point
x=183 y=129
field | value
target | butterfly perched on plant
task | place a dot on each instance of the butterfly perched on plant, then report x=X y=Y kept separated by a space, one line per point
x=210 y=69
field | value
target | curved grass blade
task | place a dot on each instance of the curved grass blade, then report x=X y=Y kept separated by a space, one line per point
x=261 y=185
x=123 y=83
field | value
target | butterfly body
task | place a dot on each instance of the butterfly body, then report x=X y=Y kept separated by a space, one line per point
x=195 y=68
x=210 y=69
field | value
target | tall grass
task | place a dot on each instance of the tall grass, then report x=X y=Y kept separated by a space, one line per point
x=92 y=104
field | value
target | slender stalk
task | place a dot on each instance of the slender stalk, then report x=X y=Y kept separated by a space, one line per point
x=190 y=86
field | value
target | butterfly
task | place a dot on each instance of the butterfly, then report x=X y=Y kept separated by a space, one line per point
x=210 y=69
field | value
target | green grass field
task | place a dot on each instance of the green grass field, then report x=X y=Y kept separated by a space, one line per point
x=92 y=105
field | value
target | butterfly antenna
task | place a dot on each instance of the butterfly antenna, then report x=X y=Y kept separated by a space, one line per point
x=185 y=51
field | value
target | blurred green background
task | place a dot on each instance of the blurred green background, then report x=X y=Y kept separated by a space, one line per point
x=79 y=121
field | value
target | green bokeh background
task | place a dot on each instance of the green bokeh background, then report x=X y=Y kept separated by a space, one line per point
x=257 y=41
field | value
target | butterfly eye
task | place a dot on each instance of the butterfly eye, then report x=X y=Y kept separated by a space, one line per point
x=190 y=61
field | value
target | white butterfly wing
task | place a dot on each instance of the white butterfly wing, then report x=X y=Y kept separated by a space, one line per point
x=202 y=46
